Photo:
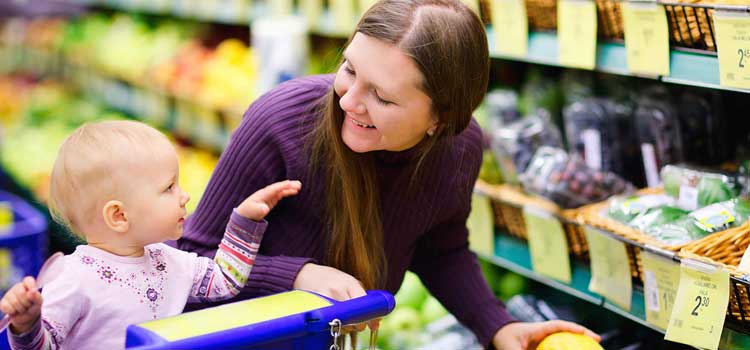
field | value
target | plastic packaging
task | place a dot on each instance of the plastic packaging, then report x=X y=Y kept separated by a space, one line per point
x=658 y=128
x=567 y=181
x=515 y=144
x=502 y=107
x=703 y=128
x=627 y=208
x=600 y=131
x=702 y=222
x=696 y=188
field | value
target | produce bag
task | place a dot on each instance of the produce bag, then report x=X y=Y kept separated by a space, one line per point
x=702 y=222
x=657 y=125
x=626 y=208
x=696 y=188
x=515 y=144
x=567 y=181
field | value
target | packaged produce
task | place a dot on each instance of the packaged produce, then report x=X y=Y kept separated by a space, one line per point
x=658 y=129
x=704 y=129
x=600 y=131
x=626 y=208
x=540 y=91
x=657 y=217
x=702 y=222
x=695 y=188
x=567 y=181
x=502 y=107
x=515 y=144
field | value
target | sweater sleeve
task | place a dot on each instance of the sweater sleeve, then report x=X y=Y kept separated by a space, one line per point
x=226 y=275
x=449 y=269
x=255 y=157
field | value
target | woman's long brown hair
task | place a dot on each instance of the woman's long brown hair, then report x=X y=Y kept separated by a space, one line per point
x=448 y=43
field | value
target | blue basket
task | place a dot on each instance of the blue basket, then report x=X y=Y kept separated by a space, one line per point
x=293 y=320
x=23 y=246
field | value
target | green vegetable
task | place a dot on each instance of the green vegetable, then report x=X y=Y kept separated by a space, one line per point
x=672 y=177
x=714 y=190
x=702 y=222
x=657 y=217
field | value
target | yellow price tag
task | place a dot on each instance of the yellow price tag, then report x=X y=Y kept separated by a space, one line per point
x=311 y=10
x=481 y=226
x=365 y=5
x=661 y=277
x=281 y=7
x=733 y=47
x=511 y=27
x=473 y=4
x=646 y=38
x=344 y=14
x=700 y=306
x=547 y=245
x=576 y=33
x=610 y=268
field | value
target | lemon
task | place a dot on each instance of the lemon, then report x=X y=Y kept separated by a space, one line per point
x=568 y=341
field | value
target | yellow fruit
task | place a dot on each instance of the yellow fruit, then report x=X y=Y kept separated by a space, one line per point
x=568 y=341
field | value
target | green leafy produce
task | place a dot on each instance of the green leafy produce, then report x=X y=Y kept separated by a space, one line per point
x=625 y=209
x=711 y=187
x=702 y=222
x=714 y=190
x=657 y=217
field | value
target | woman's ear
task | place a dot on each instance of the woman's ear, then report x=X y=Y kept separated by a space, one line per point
x=431 y=131
x=115 y=217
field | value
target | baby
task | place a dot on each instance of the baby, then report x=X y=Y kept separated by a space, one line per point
x=116 y=184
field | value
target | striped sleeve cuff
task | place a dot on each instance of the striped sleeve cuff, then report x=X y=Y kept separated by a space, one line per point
x=30 y=340
x=275 y=274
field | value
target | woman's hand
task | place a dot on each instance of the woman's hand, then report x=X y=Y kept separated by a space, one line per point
x=332 y=283
x=527 y=335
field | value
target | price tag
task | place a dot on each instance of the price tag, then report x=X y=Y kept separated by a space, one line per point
x=610 y=268
x=343 y=13
x=481 y=225
x=688 y=196
x=733 y=48
x=650 y=167
x=511 y=28
x=473 y=4
x=700 y=306
x=646 y=38
x=311 y=10
x=592 y=148
x=547 y=245
x=661 y=277
x=281 y=7
x=576 y=33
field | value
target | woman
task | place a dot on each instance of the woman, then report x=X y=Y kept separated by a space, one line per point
x=388 y=154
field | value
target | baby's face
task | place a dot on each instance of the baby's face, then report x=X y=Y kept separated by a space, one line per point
x=156 y=204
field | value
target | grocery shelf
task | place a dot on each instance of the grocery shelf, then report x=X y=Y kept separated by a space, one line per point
x=686 y=68
x=513 y=254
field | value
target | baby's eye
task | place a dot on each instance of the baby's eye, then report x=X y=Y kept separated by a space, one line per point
x=169 y=188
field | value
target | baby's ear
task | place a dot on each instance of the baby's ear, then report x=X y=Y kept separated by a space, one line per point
x=115 y=217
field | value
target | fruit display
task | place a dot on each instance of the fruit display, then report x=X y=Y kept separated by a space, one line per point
x=567 y=181
x=567 y=341
x=696 y=188
x=515 y=144
x=51 y=112
x=502 y=107
x=699 y=223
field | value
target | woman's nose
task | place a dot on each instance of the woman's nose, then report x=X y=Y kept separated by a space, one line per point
x=352 y=101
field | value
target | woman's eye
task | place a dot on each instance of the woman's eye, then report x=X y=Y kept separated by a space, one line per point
x=382 y=101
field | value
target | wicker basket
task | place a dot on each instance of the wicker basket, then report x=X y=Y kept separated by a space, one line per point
x=634 y=239
x=610 y=19
x=725 y=249
x=691 y=24
x=508 y=202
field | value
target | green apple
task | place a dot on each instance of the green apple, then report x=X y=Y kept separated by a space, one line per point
x=412 y=293
x=432 y=310
x=510 y=284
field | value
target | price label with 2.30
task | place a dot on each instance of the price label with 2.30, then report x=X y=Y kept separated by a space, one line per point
x=733 y=48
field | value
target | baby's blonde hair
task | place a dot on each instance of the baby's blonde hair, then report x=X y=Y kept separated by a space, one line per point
x=87 y=166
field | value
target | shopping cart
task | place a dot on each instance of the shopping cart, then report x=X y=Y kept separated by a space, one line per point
x=285 y=321
x=23 y=244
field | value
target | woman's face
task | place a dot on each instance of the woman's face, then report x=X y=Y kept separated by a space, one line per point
x=379 y=91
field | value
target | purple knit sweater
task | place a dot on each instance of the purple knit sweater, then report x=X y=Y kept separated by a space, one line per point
x=424 y=226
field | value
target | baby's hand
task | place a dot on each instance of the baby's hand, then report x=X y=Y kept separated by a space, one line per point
x=260 y=203
x=23 y=303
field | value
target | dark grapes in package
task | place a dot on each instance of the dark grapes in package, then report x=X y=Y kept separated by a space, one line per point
x=515 y=144
x=567 y=181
